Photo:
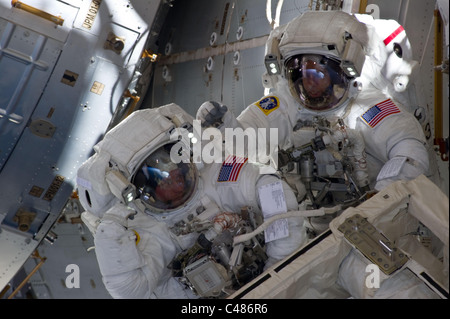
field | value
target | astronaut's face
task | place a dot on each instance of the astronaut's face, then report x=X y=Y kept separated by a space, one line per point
x=316 y=79
x=171 y=188
x=163 y=185
x=317 y=82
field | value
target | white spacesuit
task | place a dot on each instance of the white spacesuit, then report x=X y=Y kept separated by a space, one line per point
x=155 y=215
x=318 y=81
x=322 y=99
x=392 y=59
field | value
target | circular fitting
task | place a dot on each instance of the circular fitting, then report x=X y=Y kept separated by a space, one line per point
x=168 y=48
x=210 y=64
x=118 y=44
x=114 y=43
x=213 y=39
x=239 y=33
x=236 y=57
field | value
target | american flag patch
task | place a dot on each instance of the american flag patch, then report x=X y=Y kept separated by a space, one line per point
x=378 y=112
x=229 y=172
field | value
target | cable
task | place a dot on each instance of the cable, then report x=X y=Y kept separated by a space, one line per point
x=294 y=213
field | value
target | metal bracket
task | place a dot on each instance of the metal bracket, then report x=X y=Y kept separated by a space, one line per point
x=24 y=219
x=42 y=128
x=373 y=244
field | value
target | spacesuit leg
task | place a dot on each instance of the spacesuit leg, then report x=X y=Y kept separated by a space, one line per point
x=359 y=281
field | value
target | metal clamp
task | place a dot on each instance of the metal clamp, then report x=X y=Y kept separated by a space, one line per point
x=373 y=244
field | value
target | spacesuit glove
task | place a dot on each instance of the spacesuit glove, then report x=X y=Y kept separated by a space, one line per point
x=211 y=114
x=119 y=214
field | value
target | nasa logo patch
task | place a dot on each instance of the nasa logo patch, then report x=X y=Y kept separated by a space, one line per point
x=268 y=104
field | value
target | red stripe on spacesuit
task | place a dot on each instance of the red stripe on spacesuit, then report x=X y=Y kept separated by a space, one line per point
x=393 y=35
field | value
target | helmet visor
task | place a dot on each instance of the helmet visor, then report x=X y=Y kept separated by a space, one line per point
x=316 y=82
x=163 y=184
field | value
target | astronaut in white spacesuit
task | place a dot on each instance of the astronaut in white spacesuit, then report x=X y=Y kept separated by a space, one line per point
x=393 y=60
x=320 y=85
x=163 y=224
x=332 y=117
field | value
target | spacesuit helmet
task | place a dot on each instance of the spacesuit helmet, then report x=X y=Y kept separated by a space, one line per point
x=143 y=162
x=161 y=183
x=320 y=54
x=316 y=81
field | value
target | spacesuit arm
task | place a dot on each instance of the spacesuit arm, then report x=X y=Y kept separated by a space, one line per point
x=130 y=269
x=407 y=160
x=271 y=119
x=280 y=248
x=406 y=154
x=250 y=117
